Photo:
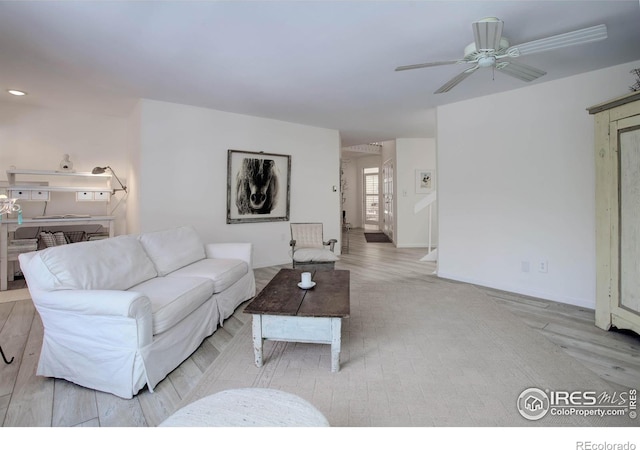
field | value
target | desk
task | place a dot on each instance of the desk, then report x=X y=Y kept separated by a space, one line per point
x=8 y=226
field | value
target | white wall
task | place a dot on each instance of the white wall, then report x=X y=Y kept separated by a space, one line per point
x=413 y=228
x=182 y=174
x=516 y=183
x=173 y=159
x=37 y=138
x=134 y=131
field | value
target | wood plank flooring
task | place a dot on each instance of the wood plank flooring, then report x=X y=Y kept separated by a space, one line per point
x=27 y=400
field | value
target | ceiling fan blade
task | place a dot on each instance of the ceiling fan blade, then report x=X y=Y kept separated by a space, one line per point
x=487 y=33
x=520 y=71
x=429 y=64
x=456 y=80
x=591 y=34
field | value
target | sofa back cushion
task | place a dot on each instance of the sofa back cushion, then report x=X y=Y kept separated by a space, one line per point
x=115 y=263
x=172 y=249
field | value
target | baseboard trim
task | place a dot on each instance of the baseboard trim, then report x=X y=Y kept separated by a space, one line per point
x=517 y=290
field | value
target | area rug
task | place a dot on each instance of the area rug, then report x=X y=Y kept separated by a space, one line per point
x=376 y=237
x=428 y=353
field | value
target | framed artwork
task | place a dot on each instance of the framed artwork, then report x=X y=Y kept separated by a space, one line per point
x=424 y=181
x=258 y=186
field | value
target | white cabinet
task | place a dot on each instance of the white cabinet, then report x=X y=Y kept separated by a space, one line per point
x=617 y=153
x=102 y=196
x=84 y=196
x=99 y=190
x=40 y=195
x=20 y=194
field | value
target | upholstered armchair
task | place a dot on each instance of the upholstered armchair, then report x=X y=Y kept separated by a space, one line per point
x=309 y=250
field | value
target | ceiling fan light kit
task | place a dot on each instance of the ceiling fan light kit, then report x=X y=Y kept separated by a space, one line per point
x=491 y=49
x=487 y=61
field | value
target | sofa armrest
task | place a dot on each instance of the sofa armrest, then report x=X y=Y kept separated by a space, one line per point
x=125 y=310
x=238 y=250
x=94 y=302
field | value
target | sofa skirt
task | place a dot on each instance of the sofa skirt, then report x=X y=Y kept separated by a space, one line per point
x=169 y=349
x=172 y=347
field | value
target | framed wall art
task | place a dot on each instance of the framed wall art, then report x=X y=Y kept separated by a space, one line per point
x=258 y=186
x=424 y=181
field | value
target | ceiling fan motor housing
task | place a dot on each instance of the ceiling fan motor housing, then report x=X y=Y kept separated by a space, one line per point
x=470 y=50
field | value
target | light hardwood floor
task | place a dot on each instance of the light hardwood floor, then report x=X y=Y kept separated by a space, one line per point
x=28 y=400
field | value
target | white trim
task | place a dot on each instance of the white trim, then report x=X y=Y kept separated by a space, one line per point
x=518 y=290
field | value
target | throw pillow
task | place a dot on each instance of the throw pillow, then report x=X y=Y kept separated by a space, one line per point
x=50 y=239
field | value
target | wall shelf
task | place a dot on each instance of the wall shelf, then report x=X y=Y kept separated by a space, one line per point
x=11 y=174
x=37 y=192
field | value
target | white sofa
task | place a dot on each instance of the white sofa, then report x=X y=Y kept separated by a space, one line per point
x=123 y=312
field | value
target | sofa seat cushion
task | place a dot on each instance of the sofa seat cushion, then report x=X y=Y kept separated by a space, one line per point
x=314 y=255
x=173 y=299
x=223 y=272
x=172 y=249
x=115 y=263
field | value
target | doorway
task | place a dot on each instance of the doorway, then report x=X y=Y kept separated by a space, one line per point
x=371 y=207
x=387 y=192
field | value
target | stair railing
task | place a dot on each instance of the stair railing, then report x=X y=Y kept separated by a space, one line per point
x=427 y=202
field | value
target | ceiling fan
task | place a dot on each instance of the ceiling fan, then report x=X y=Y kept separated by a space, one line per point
x=491 y=49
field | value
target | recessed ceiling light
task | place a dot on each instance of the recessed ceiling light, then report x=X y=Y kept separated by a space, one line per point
x=16 y=92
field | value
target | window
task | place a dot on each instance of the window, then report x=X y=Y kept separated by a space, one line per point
x=371 y=195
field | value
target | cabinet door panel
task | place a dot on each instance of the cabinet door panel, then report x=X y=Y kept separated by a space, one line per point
x=629 y=195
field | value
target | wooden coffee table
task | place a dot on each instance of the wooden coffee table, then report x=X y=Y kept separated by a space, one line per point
x=284 y=312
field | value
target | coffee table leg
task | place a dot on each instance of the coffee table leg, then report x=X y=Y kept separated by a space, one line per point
x=336 y=340
x=257 y=338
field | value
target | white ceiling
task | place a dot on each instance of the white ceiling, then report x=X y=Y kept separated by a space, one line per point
x=324 y=63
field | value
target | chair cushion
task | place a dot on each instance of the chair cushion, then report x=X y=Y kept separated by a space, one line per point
x=314 y=255
x=115 y=263
x=223 y=272
x=172 y=249
x=173 y=299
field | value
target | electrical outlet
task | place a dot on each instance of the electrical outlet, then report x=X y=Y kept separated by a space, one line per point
x=543 y=266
